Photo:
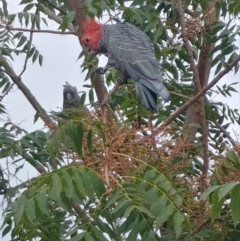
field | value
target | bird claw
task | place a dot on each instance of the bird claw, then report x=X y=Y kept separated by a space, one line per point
x=100 y=70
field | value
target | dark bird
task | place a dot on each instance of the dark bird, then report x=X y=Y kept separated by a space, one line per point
x=131 y=52
x=71 y=98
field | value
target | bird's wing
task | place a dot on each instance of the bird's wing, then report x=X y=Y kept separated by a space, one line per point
x=135 y=52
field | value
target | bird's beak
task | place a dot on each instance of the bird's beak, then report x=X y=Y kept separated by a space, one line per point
x=88 y=50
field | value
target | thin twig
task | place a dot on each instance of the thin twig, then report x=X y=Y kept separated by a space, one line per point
x=55 y=7
x=39 y=31
x=7 y=91
x=199 y=226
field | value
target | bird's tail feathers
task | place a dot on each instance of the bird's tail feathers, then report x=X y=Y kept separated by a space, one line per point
x=148 y=97
x=163 y=92
x=157 y=87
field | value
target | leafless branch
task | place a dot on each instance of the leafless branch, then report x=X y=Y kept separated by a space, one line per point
x=55 y=7
x=36 y=105
x=40 y=168
x=39 y=31
x=200 y=226
x=56 y=18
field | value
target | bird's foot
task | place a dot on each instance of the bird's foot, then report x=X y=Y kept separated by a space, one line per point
x=101 y=70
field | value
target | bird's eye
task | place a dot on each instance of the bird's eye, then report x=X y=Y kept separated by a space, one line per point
x=87 y=40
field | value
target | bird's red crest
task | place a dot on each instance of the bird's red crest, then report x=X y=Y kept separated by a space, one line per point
x=92 y=33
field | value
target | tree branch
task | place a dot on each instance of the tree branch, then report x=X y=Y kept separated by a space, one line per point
x=38 y=31
x=55 y=7
x=200 y=226
x=36 y=105
x=197 y=96
x=197 y=87
x=56 y=18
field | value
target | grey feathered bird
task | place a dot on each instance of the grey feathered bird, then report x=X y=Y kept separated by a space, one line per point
x=131 y=52
x=71 y=98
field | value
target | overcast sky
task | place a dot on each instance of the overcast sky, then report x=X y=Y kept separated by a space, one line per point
x=46 y=83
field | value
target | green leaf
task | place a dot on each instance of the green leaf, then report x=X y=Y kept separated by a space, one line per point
x=57 y=183
x=70 y=17
x=97 y=183
x=40 y=59
x=166 y=212
x=89 y=142
x=6 y=230
x=28 y=7
x=25 y=1
x=30 y=209
x=41 y=200
x=68 y=188
x=226 y=188
x=22 y=40
x=216 y=205
x=178 y=219
x=208 y=191
x=235 y=201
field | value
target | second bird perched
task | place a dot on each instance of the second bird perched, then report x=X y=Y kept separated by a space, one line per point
x=131 y=52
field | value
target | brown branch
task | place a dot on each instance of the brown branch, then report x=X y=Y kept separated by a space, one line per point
x=197 y=96
x=33 y=101
x=39 y=31
x=55 y=7
x=56 y=18
x=40 y=168
x=197 y=87
x=224 y=131
x=200 y=226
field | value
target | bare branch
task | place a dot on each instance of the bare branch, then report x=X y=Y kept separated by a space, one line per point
x=55 y=6
x=39 y=31
x=56 y=18
x=36 y=105
x=40 y=168
x=200 y=226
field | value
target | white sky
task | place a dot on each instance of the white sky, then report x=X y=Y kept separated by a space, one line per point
x=46 y=83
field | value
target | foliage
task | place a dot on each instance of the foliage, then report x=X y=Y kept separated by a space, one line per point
x=123 y=181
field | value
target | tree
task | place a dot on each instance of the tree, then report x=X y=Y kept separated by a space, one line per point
x=123 y=173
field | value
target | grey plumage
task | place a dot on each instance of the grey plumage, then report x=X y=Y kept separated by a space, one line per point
x=131 y=52
x=71 y=98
